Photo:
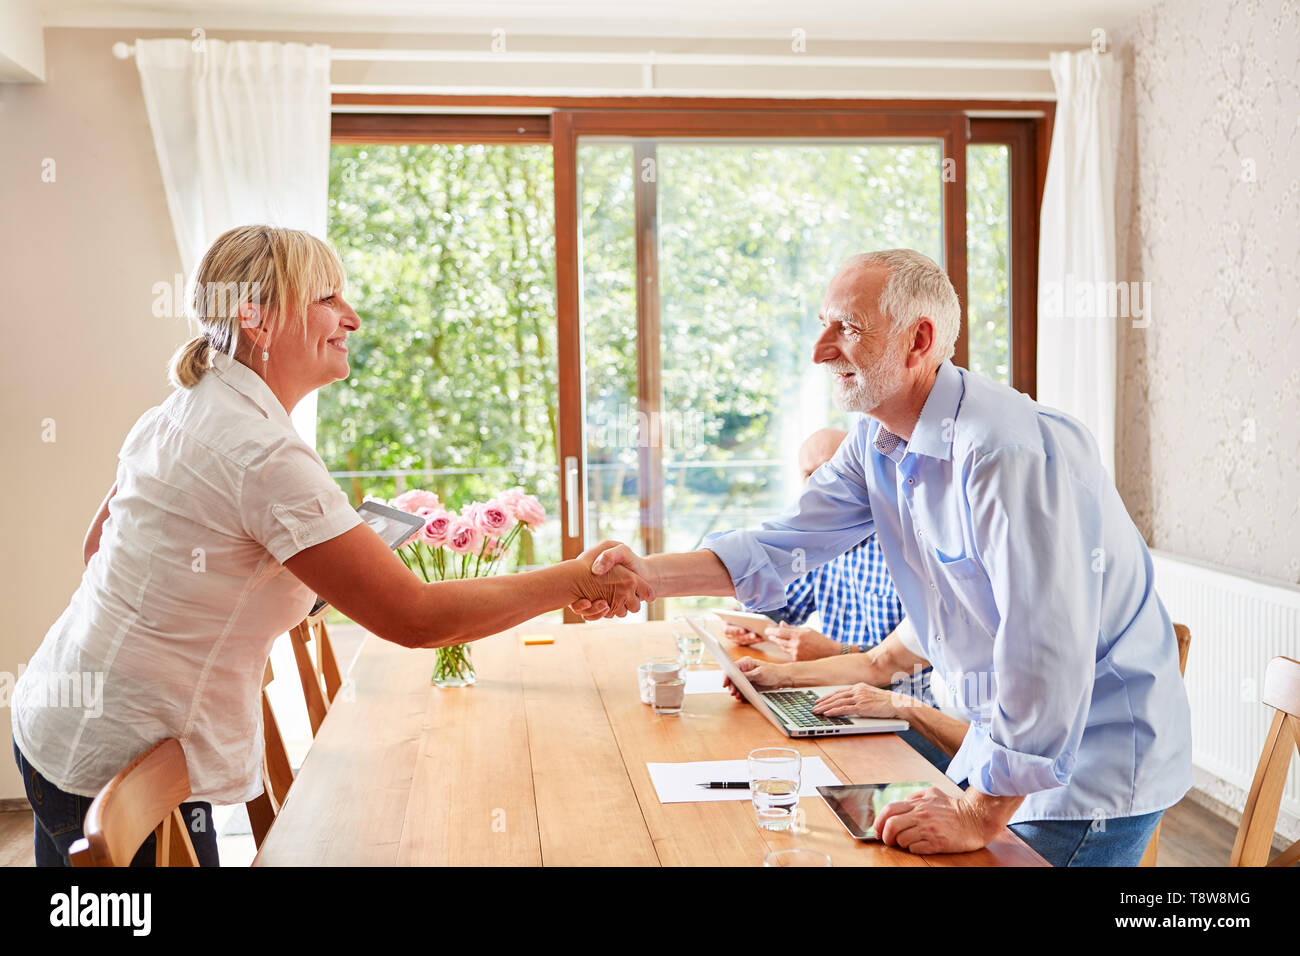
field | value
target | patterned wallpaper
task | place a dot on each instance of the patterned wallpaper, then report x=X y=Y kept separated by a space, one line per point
x=1208 y=195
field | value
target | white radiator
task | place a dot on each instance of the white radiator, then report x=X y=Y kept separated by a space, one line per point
x=1238 y=625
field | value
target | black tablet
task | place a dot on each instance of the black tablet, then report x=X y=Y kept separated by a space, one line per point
x=395 y=527
x=857 y=804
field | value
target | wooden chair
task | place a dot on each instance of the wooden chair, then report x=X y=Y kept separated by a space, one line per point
x=319 y=675
x=1184 y=637
x=144 y=797
x=1255 y=835
x=277 y=774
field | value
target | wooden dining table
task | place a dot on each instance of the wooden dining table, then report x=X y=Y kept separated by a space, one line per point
x=543 y=763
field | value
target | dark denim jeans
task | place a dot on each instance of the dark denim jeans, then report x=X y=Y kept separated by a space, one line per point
x=60 y=816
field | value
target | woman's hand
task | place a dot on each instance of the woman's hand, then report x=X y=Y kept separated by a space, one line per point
x=738 y=635
x=802 y=643
x=609 y=591
x=761 y=674
x=861 y=700
x=608 y=562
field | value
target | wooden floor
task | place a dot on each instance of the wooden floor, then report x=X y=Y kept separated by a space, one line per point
x=1190 y=836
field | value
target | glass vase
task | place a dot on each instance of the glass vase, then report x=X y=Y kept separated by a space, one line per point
x=453 y=667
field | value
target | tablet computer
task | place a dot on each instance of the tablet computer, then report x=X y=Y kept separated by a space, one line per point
x=395 y=527
x=857 y=804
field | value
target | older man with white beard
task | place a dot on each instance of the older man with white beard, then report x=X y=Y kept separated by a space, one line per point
x=1030 y=588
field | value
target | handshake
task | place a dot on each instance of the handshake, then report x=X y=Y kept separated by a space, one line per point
x=609 y=580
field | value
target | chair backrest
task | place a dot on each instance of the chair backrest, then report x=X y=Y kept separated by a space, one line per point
x=1255 y=834
x=319 y=675
x=1183 y=635
x=144 y=797
x=277 y=774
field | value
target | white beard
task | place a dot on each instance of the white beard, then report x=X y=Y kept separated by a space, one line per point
x=868 y=388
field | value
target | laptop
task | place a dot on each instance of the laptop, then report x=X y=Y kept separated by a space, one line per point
x=395 y=527
x=790 y=709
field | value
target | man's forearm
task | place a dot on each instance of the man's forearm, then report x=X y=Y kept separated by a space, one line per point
x=989 y=814
x=690 y=573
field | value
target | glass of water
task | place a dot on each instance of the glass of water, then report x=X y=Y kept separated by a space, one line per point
x=689 y=644
x=774 y=774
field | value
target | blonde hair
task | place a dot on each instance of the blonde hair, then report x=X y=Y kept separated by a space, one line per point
x=283 y=270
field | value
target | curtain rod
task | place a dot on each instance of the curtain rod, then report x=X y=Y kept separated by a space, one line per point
x=651 y=59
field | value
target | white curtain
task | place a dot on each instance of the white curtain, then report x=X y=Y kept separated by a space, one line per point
x=1076 y=254
x=242 y=132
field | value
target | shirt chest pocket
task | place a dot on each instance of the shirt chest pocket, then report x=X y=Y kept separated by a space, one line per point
x=965 y=589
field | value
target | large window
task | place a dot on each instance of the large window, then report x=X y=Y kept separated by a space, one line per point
x=615 y=307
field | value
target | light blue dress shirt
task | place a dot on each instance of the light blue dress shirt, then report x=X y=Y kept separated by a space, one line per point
x=1030 y=588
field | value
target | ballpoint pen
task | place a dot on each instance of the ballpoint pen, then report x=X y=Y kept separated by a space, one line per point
x=724 y=785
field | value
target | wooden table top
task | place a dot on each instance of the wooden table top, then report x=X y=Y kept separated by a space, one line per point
x=543 y=762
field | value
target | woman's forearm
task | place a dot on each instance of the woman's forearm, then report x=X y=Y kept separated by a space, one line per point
x=456 y=612
x=840 y=669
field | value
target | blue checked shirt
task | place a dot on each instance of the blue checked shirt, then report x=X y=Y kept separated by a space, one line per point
x=1031 y=591
x=855 y=597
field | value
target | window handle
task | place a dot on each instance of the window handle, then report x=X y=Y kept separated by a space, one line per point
x=571 y=494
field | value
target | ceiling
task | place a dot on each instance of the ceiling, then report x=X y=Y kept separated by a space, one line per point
x=979 y=21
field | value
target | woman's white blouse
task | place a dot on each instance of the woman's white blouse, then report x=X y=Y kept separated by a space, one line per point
x=169 y=631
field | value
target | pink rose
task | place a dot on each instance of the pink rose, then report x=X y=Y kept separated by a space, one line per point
x=530 y=511
x=436 y=528
x=492 y=519
x=412 y=501
x=464 y=536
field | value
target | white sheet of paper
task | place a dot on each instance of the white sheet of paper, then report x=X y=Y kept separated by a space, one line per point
x=676 y=782
x=704 y=682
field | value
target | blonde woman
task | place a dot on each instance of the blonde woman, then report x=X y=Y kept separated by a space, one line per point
x=221 y=527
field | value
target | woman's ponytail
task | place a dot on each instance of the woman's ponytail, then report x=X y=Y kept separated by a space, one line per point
x=190 y=361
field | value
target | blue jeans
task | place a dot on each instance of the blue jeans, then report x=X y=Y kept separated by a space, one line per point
x=59 y=817
x=1118 y=841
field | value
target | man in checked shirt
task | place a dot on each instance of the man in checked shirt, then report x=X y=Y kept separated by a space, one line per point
x=855 y=599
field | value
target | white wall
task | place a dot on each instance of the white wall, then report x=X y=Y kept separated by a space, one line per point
x=78 y=260
x=1209 y=445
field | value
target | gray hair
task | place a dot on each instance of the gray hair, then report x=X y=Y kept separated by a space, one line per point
x=916 y=288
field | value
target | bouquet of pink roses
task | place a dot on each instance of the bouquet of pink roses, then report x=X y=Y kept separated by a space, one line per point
x=468 y=545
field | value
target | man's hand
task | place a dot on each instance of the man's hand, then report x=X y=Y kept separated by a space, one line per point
x=604 y=561
x=802 y=643
x=609 y=591
x=761 y=674
x=863 y=700
x=930 y=821
x=738 y=635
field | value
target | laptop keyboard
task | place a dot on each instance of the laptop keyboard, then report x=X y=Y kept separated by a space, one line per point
x=796 y=706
